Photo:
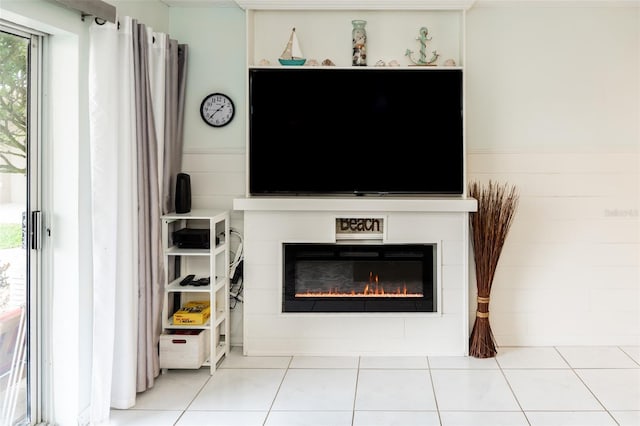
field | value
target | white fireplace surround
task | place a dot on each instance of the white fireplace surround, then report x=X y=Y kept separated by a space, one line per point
x=269 y=222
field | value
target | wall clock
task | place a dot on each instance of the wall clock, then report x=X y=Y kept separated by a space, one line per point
x=217 y=109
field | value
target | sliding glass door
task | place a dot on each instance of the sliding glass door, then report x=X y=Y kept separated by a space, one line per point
x=19 y=216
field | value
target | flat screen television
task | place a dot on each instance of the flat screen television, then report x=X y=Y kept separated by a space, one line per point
x=373 y=131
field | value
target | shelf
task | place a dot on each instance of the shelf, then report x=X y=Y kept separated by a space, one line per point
x=213 y=263
x=172 y=326
x=357 y=69
x=220 y=351
x=175 y=286
x=175 y=251
x=196 y=214
x=392 y=29
x=220 y=285
x=219 y=319
x=365 y=203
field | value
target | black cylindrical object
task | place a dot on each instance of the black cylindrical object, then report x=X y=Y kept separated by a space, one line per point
x=183 y=193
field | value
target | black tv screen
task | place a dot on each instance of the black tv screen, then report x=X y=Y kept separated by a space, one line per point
x=379 y=131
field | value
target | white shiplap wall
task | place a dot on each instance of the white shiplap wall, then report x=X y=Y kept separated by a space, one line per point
x=553 y=106
x=569 y=272
x=216 y=179
x=569 y=269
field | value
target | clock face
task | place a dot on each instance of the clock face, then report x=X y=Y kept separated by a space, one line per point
x=217 y=110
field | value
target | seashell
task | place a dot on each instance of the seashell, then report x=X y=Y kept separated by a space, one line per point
x=328 y=62
x=449 y=63
x=380 y=63
x=394 y=63
x=264 y=62
x=312 y=63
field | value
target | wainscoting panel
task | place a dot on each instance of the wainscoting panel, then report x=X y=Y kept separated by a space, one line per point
x=569 y=270
x=217 y=177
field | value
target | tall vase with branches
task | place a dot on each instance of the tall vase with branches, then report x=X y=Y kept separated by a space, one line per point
x=490 y=224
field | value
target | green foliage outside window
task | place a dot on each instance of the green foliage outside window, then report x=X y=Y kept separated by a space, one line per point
x=13 y=103
x=10 y=235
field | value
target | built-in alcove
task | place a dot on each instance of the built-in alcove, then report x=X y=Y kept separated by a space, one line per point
x=436 y=218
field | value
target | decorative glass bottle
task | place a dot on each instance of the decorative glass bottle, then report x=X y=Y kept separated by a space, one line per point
x=359 y=39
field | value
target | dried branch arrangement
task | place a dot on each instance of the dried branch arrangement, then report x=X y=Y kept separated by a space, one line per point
x=497 y=204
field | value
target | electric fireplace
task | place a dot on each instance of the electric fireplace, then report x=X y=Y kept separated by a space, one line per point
x=359 y=277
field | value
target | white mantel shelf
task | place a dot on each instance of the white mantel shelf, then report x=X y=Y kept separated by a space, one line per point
x=368 y=204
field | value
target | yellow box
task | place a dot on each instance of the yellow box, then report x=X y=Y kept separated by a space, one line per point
x=193 y=313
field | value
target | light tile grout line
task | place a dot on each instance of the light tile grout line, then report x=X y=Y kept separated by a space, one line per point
x=585 y=385
x=433 y=388
x=629 y=355
x=506 y=379
x=184 y=411
x=355 y=394
x=277 y=390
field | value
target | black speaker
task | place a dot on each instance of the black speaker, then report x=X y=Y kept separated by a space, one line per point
x=183 y=193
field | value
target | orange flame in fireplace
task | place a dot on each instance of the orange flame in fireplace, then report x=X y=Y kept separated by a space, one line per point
x=371 y=289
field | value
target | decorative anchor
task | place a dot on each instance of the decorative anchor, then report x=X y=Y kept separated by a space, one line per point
x=423 y=39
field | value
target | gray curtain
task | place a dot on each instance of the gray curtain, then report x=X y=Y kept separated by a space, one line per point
x=173 y=127
x=150 y=271
x=152 y=204
x=174 y=120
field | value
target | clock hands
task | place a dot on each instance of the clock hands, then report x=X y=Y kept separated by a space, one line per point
x=214 y=112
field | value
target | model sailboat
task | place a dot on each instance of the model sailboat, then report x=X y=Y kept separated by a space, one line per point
x=292 y=55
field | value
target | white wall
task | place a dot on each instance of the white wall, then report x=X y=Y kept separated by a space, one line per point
x=553 y=78
x=552 y=106
x=216 y=39
x=215 y=157
x=152 y=13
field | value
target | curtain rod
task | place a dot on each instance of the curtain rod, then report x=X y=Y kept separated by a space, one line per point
x=98 y=8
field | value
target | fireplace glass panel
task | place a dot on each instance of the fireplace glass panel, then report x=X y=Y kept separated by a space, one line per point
x=359 y=277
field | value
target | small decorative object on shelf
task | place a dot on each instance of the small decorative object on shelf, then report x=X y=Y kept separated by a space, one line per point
x=423 y=39
x=292 y=55
x=450 y=63
x=328 y=63
x=312 y=63
x=359 y=39
x=394 y=63
x=264 y=62
x=380 y=63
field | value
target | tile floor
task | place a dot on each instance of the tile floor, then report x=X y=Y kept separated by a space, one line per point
x=564 y=386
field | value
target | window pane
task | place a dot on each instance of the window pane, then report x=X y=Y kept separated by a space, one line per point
x=14 y=96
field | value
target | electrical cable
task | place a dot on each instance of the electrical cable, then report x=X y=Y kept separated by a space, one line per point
x=236 y=272
x=237 y=296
